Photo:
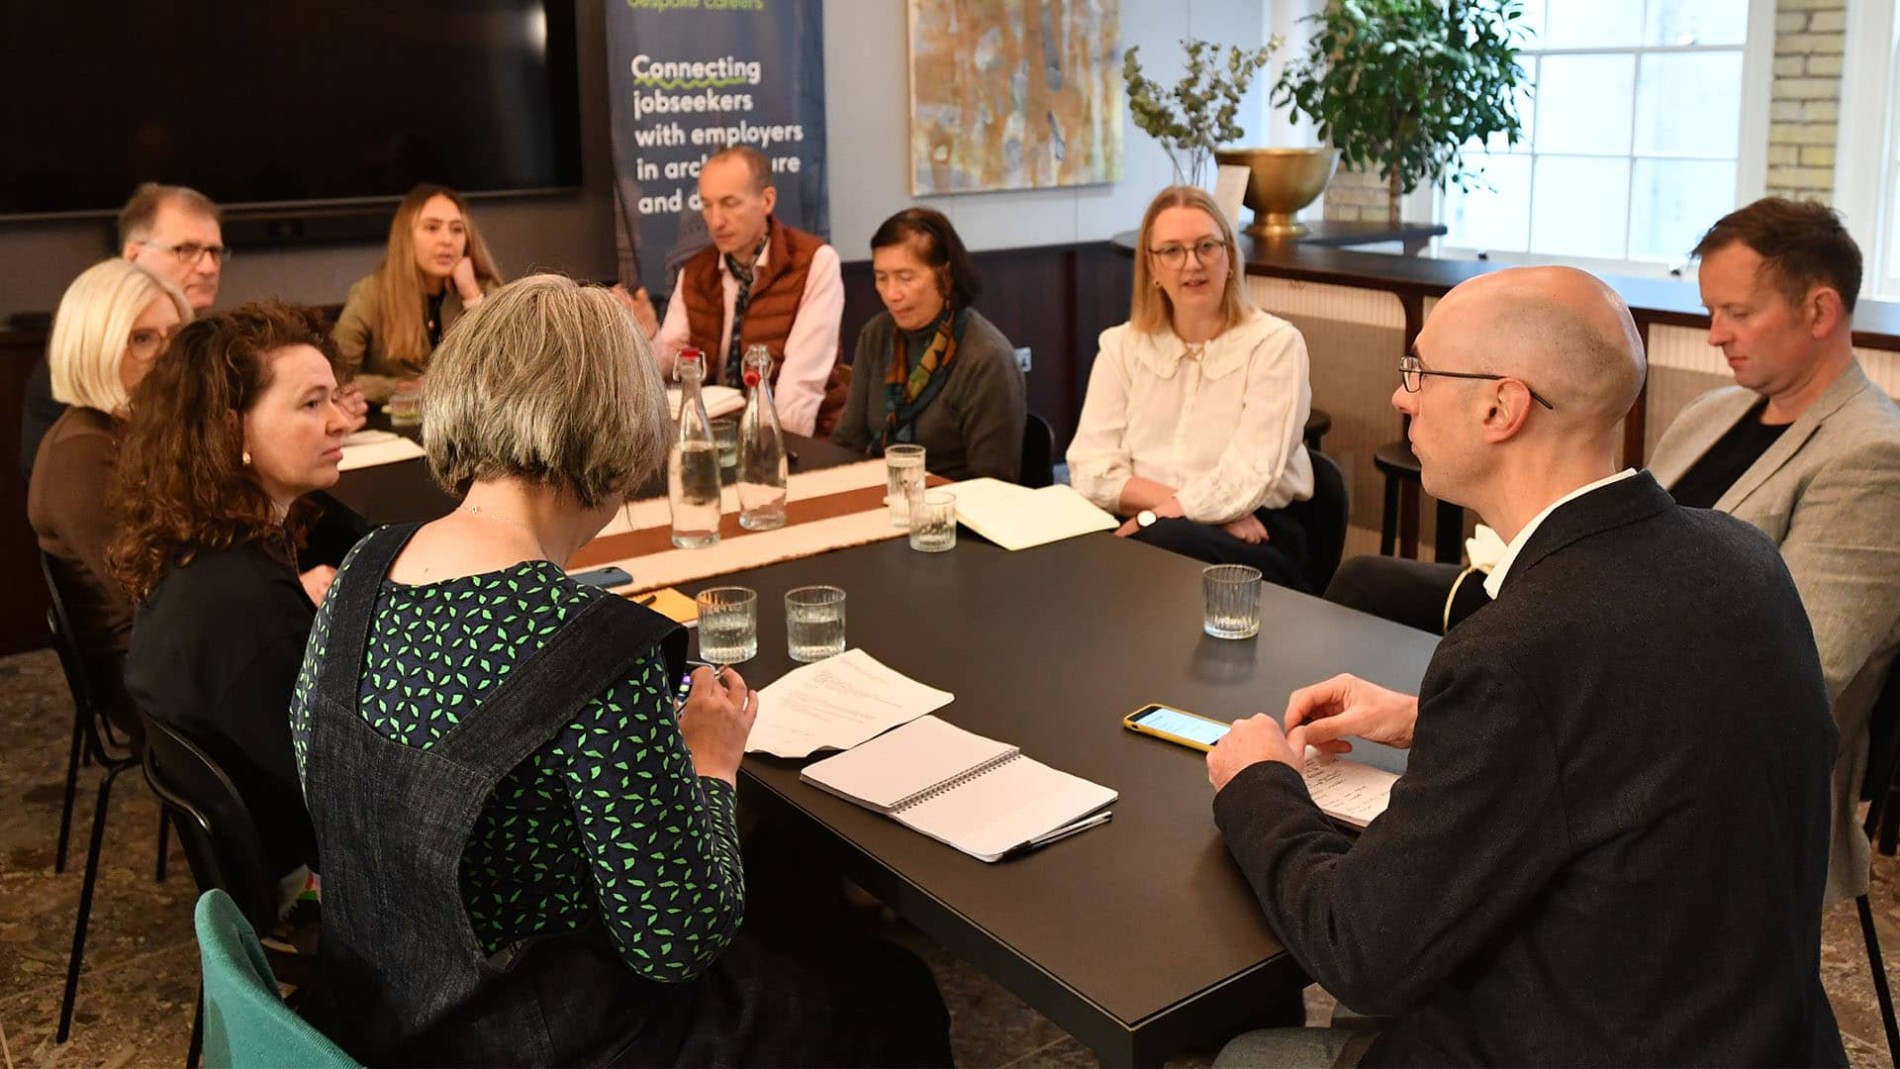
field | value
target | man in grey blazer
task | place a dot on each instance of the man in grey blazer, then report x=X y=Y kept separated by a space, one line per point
x=1803 y=446
x=1610 y=843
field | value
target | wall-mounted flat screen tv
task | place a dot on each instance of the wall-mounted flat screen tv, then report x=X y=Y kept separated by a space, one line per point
x=282 y=102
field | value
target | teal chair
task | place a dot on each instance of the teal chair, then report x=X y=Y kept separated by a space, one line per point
x=245 y=1020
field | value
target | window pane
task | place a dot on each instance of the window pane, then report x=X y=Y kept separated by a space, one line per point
x=1594 y=23
x=1497 y=219
x=1673 y=202
x=1580 y=206
x=1583 y=104
x=1697 y=22
x=1893 y=239
x=1689 y=104
x=1525 y=102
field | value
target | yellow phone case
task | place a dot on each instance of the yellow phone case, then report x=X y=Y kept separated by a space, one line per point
x=1142 y=729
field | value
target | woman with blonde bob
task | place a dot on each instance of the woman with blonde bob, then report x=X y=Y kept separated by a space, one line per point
x=504 y=799
x=113 y=322
x=435 y=268
x=1191 y=427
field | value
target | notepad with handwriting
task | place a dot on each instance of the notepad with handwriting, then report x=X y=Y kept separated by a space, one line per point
x=976 y=794
x=1016 y=517
x=1347 y=791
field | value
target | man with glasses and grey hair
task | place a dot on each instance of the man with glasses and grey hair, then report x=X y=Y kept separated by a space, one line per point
x=1611 y=839
x=169 y=231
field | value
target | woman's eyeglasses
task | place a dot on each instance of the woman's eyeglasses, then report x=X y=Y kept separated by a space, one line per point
x=1205 y=252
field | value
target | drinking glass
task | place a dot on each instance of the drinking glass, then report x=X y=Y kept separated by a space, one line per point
x=1231 y=593
x=933 y=521
x=903 y=475
x=725 y=431
x=728 y=624
x=814 y=623
x=405 y=403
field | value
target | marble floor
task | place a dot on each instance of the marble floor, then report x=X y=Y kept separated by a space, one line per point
x=136 y=996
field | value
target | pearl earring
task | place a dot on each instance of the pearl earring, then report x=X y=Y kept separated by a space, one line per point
x=245 y=456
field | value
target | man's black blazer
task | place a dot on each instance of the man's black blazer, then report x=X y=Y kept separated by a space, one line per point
x=1610 y=843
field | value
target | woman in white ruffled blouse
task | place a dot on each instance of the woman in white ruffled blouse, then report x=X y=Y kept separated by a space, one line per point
x=1196 y=405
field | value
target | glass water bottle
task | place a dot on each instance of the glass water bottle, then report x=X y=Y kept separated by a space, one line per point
x=761 y=449
x=692 y=466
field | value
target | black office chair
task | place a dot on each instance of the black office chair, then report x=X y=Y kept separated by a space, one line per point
x=1039 y=453
x=222 y=845
x=1324 y=518
x=91 y=733
x=1883 y=763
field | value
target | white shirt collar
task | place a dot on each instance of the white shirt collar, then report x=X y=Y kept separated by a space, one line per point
x=1495 y=581
x=764 y=254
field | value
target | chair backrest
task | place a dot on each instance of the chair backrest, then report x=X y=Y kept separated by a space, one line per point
x=1324 y=517
x=245 y=1020
x=1039 y=453
x=1883 y=750
x=66 y=642
x=220 y=837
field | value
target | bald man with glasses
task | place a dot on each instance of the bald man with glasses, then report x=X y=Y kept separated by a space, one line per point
x=1611 y=839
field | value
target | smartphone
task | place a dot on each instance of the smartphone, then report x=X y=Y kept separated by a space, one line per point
x=604 y=578
x=686 y=684
x=1176 y=726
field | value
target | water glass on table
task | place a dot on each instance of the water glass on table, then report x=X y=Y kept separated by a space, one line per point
x=814 y=623
x=725 y=431
x=1231 y=596
x=728 y=624
x=405 y=403
x=903 y=475
x=933 y=521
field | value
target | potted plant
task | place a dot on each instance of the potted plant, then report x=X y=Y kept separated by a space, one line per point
x=1199 y=112
x=1407 y=85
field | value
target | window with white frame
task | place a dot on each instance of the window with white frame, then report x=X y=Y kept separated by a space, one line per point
x=1632 y=140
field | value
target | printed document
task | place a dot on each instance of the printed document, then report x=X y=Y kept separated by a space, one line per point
x=837 y=703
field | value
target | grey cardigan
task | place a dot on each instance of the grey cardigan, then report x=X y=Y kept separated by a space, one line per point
x=974 y=427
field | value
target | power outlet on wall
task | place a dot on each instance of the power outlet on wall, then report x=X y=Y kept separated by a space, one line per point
x=1022 y=358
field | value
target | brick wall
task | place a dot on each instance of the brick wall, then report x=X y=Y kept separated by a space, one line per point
x=1805 y=99
x=1804 y=108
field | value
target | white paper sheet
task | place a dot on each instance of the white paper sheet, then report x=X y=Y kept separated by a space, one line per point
x=720 y=401
x=1015 y=517
x=370 y=454
x=1347 y=791
x=836 y=704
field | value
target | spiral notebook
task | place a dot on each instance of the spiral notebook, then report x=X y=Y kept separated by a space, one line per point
x=976 y=794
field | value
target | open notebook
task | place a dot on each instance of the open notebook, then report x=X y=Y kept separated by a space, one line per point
x=1016 y=517
x=720 y=400
x=1347 y=791
x=976 y=794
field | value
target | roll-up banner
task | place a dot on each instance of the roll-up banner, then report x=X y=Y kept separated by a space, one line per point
x=690 y=77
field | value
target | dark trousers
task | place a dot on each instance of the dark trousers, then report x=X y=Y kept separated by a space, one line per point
x=1283 y=558
x=1409 y=592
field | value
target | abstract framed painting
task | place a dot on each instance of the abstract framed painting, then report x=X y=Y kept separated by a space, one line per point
x=1014 y=94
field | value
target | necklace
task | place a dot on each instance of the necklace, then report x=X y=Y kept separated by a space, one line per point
x=476 y=510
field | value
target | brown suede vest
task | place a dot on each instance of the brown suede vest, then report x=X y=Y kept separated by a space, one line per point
x=777 y=287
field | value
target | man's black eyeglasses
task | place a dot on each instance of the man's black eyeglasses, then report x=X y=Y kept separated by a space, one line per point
x=1410 y=373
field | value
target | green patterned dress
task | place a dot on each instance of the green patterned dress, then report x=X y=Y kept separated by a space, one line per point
x=606 y=818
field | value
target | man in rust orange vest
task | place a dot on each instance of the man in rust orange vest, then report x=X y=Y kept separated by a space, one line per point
x=760 y=283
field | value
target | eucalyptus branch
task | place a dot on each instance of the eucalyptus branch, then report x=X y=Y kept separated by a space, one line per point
x=1200 y=112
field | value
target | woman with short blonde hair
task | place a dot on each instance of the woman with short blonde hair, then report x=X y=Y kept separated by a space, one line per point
x=1196 y=406
x=435 y=268
x=113 y=323
x=497 y=773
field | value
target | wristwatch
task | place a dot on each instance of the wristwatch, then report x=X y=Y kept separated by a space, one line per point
x=1146 y=518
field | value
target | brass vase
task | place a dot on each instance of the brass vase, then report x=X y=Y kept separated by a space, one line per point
x=1281 y=181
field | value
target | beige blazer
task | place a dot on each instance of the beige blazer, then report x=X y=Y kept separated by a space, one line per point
x=359 y=329
x=1828 y=493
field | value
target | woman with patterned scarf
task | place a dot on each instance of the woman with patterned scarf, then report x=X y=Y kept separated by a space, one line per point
x=929 y=369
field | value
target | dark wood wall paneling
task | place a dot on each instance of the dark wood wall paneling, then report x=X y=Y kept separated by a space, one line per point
x=1055 y=299
x=23 y=618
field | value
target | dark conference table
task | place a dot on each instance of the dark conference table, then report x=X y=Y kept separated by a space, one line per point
x=1139 y=937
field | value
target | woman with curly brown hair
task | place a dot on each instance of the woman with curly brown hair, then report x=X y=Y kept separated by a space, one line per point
x=227 y=434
